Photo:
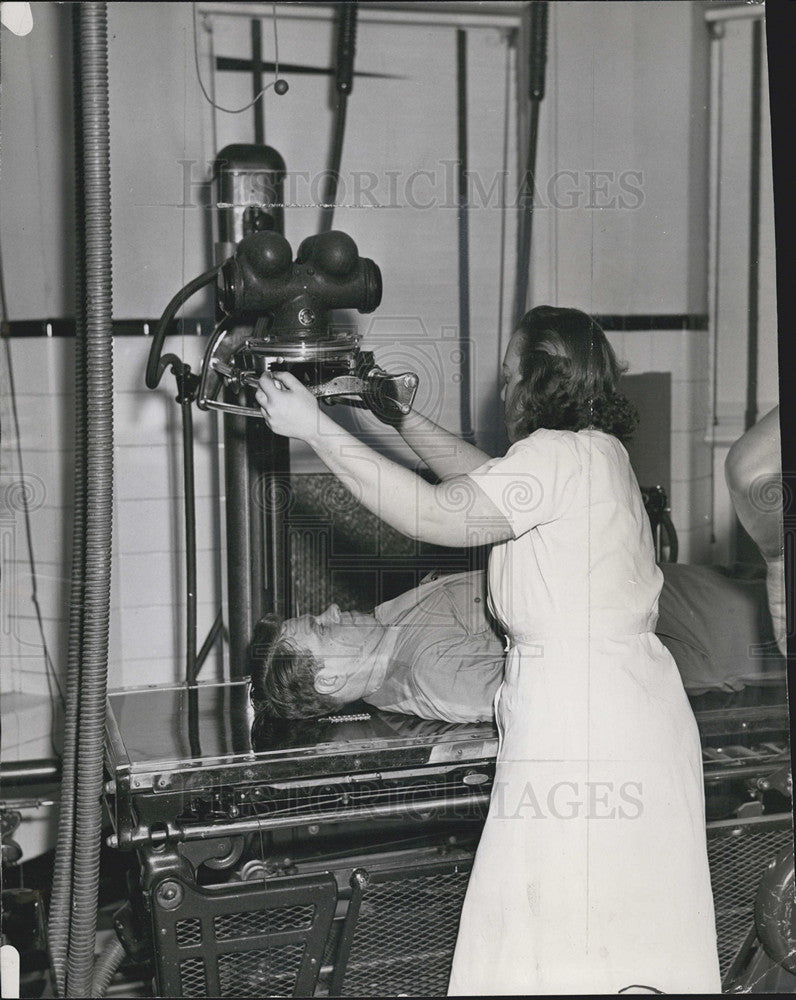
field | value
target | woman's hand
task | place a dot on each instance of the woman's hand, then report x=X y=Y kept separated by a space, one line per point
x=289 y=407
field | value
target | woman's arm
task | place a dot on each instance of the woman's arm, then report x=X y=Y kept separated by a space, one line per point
x=444 y=453
x=454 y=513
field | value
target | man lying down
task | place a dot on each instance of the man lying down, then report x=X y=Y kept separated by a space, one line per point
x=434 y=652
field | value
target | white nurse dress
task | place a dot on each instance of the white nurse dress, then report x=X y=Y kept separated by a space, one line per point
x=591 y=875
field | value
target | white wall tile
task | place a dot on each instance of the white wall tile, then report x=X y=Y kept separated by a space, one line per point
x=157 y=525
x=616 y=338
x=695 y=546
x=690 y=502
x=159 y=632
x=42 y=366
x=690 y=455
x=697 y=355
x=701 y=455
x=26 y=717
x=139 y=671
x=148 y=579
x=142 y=418
x=155 y=471
x=150 y=240
x=46 y=423
x=47 y=475
x=130 y=356
x=680 y=504
x=690 y=404
x=665 y=350
x=638 y=351
x=684 y=353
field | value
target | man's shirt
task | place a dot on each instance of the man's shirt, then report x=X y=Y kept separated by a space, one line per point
x=447 y=661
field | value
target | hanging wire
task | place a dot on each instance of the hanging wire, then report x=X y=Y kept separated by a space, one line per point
x=208 y=98
x=276 y=44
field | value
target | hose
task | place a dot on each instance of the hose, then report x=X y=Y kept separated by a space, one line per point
x=59 y=912
x=99 y=497
x=111 y=957
x=156 y=365
x=344 y=82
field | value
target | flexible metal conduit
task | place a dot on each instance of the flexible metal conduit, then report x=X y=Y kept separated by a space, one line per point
x=99 y=496
x=58 y=925
x=113 y=954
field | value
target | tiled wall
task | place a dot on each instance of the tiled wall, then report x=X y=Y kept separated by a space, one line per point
x=650 y=62
x=684 y=354
x=148 y=587
x=147 y=640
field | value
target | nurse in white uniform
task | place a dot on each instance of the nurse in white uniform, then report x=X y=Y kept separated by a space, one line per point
x=592 y=874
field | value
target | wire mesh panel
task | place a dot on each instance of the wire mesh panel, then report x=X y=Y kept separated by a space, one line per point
x=402 y=925
x=188 y=932
x=193 y=982
x=738 y=857
x=404 y=933
x=277 y=918
x=271 y=972
x=241 y=940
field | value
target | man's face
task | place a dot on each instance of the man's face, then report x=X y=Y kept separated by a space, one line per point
x=322 y=636
x=344 y=645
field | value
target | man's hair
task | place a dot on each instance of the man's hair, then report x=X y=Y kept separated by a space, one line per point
x=569 y=375
x=283 y=675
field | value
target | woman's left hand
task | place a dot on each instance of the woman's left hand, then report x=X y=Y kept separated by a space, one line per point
x=289 y=407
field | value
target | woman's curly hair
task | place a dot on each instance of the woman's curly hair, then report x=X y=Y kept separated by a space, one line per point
x=283 y=675
x=569 y=375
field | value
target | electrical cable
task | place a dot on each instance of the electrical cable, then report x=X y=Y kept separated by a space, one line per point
x=156 y=364
x=280 y=86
